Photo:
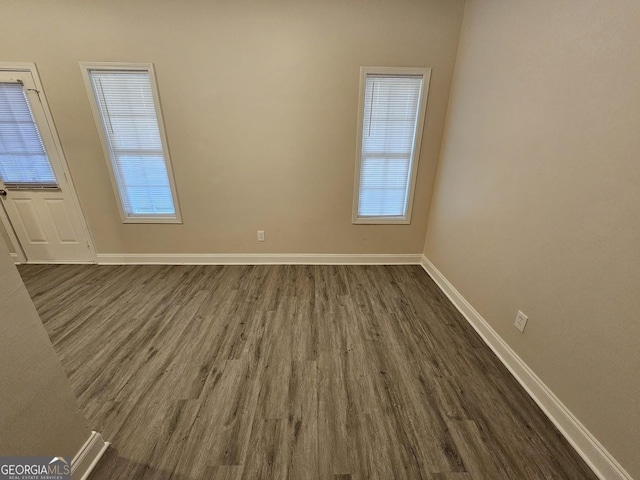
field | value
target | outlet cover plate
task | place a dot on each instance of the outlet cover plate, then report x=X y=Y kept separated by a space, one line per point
x=521 y=321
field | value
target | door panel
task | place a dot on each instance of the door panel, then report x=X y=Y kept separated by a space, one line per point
x=39 y=203
x=61 y=221
x=45 y=228
x=28 y=219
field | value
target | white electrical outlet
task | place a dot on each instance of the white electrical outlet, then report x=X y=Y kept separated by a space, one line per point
x=261 y=235
x=521 y=321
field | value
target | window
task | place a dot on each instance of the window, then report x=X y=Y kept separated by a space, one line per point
x=23 y=159
x=125 y=104
x=391 y=115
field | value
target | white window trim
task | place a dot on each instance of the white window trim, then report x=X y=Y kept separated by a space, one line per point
x=85 y=67
x=425 y=72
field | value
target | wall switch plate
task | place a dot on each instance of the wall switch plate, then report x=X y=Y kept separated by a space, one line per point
x=261 y=235
x=521 y=321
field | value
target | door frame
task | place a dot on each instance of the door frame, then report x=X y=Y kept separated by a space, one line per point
x=21 y=257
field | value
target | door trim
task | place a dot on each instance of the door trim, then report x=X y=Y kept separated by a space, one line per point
x=33 y=70
x=18 y=256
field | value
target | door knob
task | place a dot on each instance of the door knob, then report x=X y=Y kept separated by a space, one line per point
x=3 y=193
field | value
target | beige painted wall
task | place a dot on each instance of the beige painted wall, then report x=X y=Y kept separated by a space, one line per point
x=260 y=106
x=536 y=204
x=39 y=414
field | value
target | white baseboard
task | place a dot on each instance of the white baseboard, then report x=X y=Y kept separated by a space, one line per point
x=594 y=454
x=256 y=259
x=87 y=457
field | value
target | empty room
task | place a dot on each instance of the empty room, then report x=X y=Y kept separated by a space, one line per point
x=319 y=239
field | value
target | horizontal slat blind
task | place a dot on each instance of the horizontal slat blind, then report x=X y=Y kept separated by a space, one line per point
x=389 y=124
x=23 y=159
x=129 y=119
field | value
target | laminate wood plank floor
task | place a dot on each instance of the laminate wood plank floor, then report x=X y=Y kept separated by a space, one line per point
x=299 y=372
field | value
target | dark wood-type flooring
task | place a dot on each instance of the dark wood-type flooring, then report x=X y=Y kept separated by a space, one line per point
x=299 y=372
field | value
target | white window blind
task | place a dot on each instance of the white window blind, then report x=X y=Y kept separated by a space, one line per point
x=390 y=117
x=23 y=159
x=129 y=119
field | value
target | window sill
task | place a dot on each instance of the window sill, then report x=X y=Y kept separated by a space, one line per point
x=381 y=221
x=130 y=220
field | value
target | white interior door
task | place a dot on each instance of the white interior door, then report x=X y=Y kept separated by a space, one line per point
x=39 y=206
